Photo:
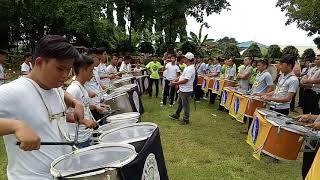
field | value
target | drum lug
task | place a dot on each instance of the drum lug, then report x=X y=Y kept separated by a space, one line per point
x=300 y=139
x=279 y=129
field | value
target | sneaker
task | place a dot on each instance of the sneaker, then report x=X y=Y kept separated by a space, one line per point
x=171 y=105
x=161 y=102
x=174 y=116
x=184 y=122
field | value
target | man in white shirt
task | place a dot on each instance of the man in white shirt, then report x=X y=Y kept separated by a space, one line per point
x=3 y=57
x=26 y=67
x=245 y=74
x=185 y=82
x=172 y=72
x=83 y=68
x=102 y=68
x=94 y=88
x=39 y=116
x=126 y=66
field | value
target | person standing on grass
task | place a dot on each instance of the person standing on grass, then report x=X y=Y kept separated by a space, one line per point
x=172 y=72
x=245 y=74
x=311 y=94
x=37 y=116
x=26 y=66
x=304 y=72
x=185 y=82
x=287 y=86
x=154 y=66
x=216 y=69
x=3 y=57
x=201 y=69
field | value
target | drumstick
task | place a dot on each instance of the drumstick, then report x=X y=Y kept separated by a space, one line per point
x=107 y=115
x=53 y=143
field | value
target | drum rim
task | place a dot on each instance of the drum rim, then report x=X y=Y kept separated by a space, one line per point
x=274 y=156
x=126 y=126
x=285 y=127
x=114 y=95
x=56 y=173
x=121 y=116
x=254 y=98
x=260 y=111
x=121 y=122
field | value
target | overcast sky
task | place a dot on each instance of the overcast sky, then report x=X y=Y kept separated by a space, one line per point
x=257 y=20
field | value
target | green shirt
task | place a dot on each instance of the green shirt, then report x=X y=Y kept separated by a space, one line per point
x=154 y=68
x=253 y=76
x=182 y=66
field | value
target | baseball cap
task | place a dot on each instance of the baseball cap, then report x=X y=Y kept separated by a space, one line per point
x=189 y=55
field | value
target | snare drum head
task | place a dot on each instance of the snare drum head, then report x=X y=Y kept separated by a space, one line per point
x=124 y=116
x=266 y=112
x=128 y=134
x=281 y=121
x=116 y=124
x=92 y=159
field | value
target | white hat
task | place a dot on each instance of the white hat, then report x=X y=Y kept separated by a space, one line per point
x=189 y=56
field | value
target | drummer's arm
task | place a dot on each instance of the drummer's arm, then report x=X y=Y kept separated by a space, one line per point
x=270 y=89
x=283 y=99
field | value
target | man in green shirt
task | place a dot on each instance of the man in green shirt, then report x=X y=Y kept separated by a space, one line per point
x=154 y=67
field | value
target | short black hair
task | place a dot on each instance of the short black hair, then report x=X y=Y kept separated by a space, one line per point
x=93 y=50
x=263 y=61
x=288 y=59
x=100 y=50
x=233 y=59
x=83 y=62
x=3 y=52
x=127 y=58
x=179 y=58
x=220 y=59
x=55 y=46
x=27 y=54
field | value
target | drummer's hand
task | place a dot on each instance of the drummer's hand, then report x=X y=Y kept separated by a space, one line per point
x=257 y=94
x=28 y=138
x=92 y=94
x=78 y=111
x=305 y=81
x=315 y=126
x=304 y=118
x=89 y=123
x=267 y=98
x=101 y=110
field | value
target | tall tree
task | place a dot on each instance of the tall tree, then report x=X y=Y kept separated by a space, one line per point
x=232 y=50
x=304 y=12
x=274 y=51
x=309 y=54
x=253 y=51
x=291 y=50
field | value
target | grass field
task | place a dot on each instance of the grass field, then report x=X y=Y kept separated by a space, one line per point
x=211 y=147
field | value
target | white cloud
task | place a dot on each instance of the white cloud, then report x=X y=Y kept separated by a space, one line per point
x=257 y=20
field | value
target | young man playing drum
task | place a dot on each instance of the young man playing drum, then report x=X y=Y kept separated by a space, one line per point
x=26 y=66
x=83 y=68
x=286 y=88
x=34 y=107
x=185 y=83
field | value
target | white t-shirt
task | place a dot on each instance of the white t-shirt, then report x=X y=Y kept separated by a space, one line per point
x=94 y=86
x=79 y=93
x=171 y=71
x=111 y=69
x=2 y=74
x=26 y=67
x=102 y=71
x=125 y=67
x=189 y=74
x=21 y=100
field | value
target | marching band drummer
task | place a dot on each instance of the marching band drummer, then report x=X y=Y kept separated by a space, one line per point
x=230 y=73
x=83 y=68
x=263 y=83
x=126 y=66
x=215 y=72
x=33 y=107
x=245 y=74
x=26 y=66
x=308 y=157
x=112 y=70
x=286 y=88
x=93 y=86
x=102 y=68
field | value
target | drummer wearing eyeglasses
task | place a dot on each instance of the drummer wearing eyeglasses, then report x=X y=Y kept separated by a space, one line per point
x=33 y=108
x=286 y=87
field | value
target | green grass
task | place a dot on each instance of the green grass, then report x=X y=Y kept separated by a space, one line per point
x=211 y=147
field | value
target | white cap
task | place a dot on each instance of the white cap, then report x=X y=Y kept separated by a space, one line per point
x=189 y=56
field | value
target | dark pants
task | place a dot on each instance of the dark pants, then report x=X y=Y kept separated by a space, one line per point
x=310 y=103
x=308 y=158
x=300 y=96
x=212 y=97
x=151 y=81
x=183 y=103
x=281 y=111
x=168 y=91
x=198 y=93
x=249 y=122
